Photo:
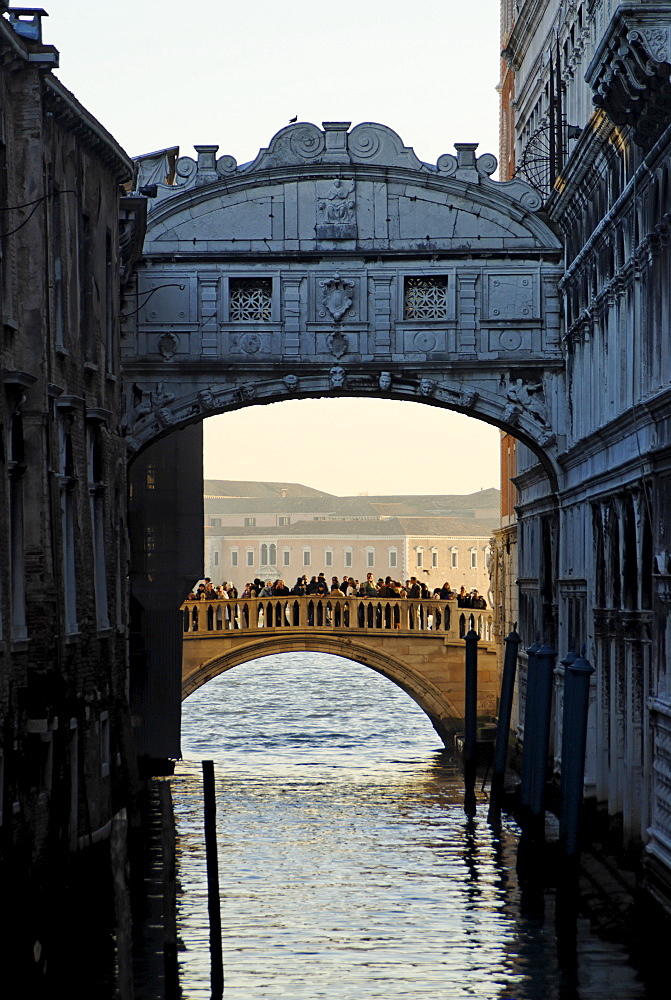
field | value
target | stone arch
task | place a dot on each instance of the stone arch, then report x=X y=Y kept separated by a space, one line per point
x=497 y=410
x=439 y=709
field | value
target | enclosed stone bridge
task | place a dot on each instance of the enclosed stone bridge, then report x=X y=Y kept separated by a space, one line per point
x=335 y=264
x=338 y=263
x=418 y=645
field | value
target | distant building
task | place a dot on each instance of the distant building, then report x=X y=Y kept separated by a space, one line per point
x=292 y=534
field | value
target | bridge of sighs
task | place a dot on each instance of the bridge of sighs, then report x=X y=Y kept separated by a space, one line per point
x=335 y=264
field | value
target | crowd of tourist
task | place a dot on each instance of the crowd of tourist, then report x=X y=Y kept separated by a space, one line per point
x=318 y=586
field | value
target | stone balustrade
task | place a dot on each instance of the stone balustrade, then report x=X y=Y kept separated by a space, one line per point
x=355 y=614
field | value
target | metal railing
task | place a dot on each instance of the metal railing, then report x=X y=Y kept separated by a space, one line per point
x=349 y=614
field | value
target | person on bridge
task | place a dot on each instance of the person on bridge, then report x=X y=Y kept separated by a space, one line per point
x=413 y=588
x=300 y=588
x=280 y=589
x=369 y=588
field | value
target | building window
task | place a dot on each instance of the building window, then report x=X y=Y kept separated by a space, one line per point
x=250 y=557
x=348 y=558
x=250 y=300
x=216 y=558
x=264 y=554
x=306 y=557
x=454 y=559
x=286 y=557
x=283 y=522
x=250 y=522
x=272 y=554
x=328 y=557
x=474 y=559
x=434 y=558
x=425 y=298
x=420 y=558
x=234 y=557
x=393 y=558
x=215 y=522
x=370 y=557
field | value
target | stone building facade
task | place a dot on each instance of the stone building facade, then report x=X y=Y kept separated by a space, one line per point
x=64 y=718
x=586 y=113
x=296 y=530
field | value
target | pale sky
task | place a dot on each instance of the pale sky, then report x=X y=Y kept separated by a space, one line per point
x=165 y=73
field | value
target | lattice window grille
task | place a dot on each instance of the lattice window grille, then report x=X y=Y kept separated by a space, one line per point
x=426 y=298
x=250 y=300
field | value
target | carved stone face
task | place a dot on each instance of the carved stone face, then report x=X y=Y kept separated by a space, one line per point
x=337 y=377
x=427 y=386
x=384 y=381
x=291 y=382
x=206 y=399
x=248 y=391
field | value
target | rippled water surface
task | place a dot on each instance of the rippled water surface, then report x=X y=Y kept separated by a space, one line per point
x=347 y=868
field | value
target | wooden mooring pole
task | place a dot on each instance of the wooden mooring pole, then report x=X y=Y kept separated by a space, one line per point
x=213 y=903
x=171 y=965
x=577 y=674
x=470 y=722
x=512 y=642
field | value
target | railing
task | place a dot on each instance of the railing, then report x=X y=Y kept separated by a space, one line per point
x=354 y=614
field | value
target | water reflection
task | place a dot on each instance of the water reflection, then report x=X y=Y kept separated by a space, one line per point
x=347 y=868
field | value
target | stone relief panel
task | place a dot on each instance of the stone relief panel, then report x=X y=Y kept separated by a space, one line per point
x=512 y=297
x=337 y=298
x=164 y=299
x=336 y=209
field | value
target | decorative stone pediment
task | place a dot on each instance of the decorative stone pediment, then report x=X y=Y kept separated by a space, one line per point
x=631 y=71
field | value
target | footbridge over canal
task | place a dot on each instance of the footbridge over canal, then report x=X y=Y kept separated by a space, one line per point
x=418 y=645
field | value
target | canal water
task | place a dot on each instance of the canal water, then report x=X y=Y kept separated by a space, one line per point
x=347 y=867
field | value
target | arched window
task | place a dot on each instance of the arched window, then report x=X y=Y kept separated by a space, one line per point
x=264 y=554
x=272 y=554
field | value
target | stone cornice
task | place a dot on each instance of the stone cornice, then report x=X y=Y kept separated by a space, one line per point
x=631 y=70
x=69 y=113
x=523 y=30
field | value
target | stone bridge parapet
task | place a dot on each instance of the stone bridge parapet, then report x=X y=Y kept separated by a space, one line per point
x=416 y=644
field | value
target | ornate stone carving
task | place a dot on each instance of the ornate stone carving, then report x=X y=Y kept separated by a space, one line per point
x=425 y=297
x=337 y=377
x=630 y=73
x=250 y=343
x=529 y=397
x=206 y=399
x=165 y=416
x=384 y=381
x=291 y=382
x=251 y=300
x=337 y=343
x=336 y=211
x=168 y=345
x=469 y=397
x=427 y=387
x=336 y=296
x=425 y=341
x=247 y=391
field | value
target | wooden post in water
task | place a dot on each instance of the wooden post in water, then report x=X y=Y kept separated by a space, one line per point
x=213 y=904
x=470 y=722
x=577 y=675
x=171 y=965
x=530 y=712
x=512 y=642
x=124 y=944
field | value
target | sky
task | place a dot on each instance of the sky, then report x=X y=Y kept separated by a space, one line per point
x=164 y=74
